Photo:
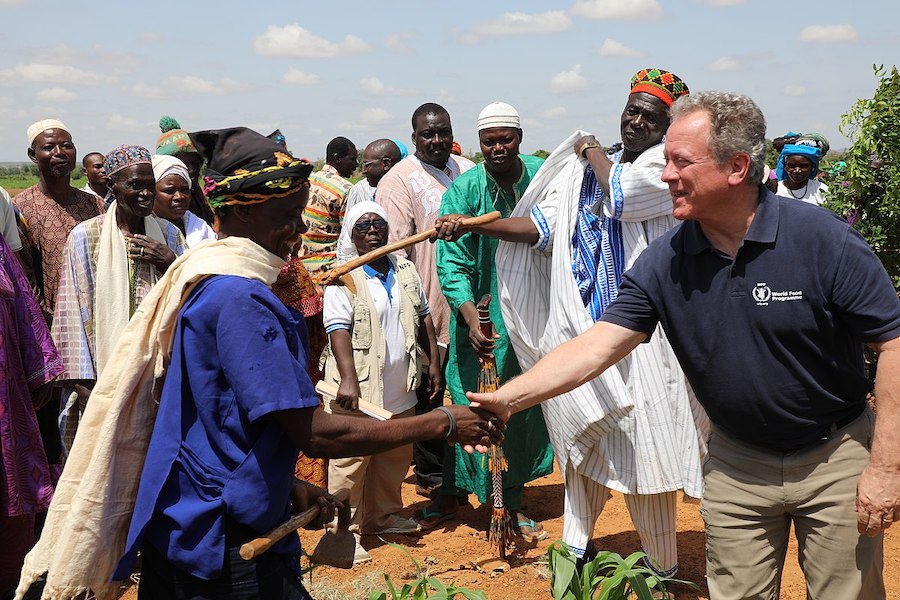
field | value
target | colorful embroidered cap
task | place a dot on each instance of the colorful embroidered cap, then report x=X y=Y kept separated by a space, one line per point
x=174 y=139
x=666 y=86
x=125 y=156
x=244 y=167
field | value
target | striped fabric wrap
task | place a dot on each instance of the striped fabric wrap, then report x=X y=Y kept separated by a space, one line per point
x=636 y=428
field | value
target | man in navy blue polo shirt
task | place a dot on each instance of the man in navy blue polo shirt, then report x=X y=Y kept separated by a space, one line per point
x=767 y=303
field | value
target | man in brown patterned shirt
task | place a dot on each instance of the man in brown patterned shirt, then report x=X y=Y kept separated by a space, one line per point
x=51 y=208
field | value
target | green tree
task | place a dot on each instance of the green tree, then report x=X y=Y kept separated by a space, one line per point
x=541 y=153
x=867 y=191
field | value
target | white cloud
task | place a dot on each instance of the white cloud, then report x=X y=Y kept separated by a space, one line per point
x=293 y=41
x=185 y=85
x=400 y=41
x=122 y=123
x=618 y=10
x=149 y=37
x=614 y=48
x=516 y=23
x=375 y=87
x=555 y=112
x=58 y=74
x=372 y=116
x=56 y=94
x=726 y=63
x=828 y=33
x=568 y=81
x=298 y=77
x=794 y=90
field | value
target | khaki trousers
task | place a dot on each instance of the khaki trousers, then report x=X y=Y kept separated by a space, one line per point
x=753 y=496
x=374 y=481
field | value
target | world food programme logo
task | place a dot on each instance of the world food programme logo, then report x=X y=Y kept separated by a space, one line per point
x=762 y=294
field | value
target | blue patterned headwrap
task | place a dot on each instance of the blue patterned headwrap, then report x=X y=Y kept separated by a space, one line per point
x=810 y=153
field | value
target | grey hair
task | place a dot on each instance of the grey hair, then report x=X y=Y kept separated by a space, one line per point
x=737 y=126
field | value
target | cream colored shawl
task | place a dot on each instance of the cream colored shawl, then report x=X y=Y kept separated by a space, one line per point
x=112 y=299
x=88 y=520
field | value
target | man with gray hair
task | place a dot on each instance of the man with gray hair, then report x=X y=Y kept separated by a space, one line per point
x=767 y=303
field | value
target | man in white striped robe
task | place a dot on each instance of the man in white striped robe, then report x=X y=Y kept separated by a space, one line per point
x=585 y=218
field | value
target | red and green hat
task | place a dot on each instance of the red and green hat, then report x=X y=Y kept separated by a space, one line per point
x=665 y=85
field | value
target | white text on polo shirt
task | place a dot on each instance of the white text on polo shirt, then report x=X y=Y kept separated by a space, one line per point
x=763 y=294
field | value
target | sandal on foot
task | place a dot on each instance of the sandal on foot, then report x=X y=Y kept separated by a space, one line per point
x=429 y=519
x=536 y=534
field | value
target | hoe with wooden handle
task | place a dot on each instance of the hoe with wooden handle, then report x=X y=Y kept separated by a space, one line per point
x=335 y=549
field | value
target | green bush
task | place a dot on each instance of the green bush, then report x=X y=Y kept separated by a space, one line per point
x=867 y=190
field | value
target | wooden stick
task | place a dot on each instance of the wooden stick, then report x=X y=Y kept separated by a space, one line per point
x=332 y=276
x=373 y=410
x=255 y=547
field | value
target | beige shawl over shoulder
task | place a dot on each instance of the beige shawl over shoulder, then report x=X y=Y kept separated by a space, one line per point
x=88 y=520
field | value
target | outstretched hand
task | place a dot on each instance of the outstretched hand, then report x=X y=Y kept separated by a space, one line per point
x=476 y=428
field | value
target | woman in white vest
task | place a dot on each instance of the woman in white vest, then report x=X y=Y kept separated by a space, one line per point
x=377 y=335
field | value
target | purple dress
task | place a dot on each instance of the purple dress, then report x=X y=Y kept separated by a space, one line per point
x=28 y=359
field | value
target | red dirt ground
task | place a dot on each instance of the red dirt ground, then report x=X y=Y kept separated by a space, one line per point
x=448 y=552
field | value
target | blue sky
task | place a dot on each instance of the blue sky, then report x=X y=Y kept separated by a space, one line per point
x=322 y=69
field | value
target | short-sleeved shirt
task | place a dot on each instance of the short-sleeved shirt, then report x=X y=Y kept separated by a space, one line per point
x=771 y=341
x=46 y=225
x=338 y=314
x=216 y=453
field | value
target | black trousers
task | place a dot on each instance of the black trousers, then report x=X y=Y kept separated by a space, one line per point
x=267 y=577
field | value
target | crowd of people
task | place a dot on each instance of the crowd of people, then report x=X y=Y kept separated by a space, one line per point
x=667 y=318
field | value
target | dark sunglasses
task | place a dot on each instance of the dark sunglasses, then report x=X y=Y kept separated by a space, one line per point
x=364 y=226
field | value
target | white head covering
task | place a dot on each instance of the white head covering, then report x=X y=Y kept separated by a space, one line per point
x=345 y=248
x=498 y=114
x=169 y=165
x=35 y=129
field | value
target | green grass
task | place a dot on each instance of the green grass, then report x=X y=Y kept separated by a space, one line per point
x=21 y=182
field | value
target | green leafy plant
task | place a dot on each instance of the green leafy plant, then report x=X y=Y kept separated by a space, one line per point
x=607 y=577
x=423 y=587
x=866 y=189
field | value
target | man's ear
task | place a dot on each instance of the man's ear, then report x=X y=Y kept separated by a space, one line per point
x=739 y=167
x=31 y=155
x=242 y=212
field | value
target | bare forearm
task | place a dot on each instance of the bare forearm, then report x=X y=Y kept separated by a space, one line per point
x=323 y=435
x=512 y=229
x=601 y=165
x=343 y=353
x=886 y=442
x=570 y=365
x=428 y=339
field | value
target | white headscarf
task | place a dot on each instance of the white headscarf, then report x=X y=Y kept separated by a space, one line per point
x=346 y=250
x=169 y=165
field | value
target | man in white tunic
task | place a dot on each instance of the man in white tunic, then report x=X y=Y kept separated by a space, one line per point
x=585 y=218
